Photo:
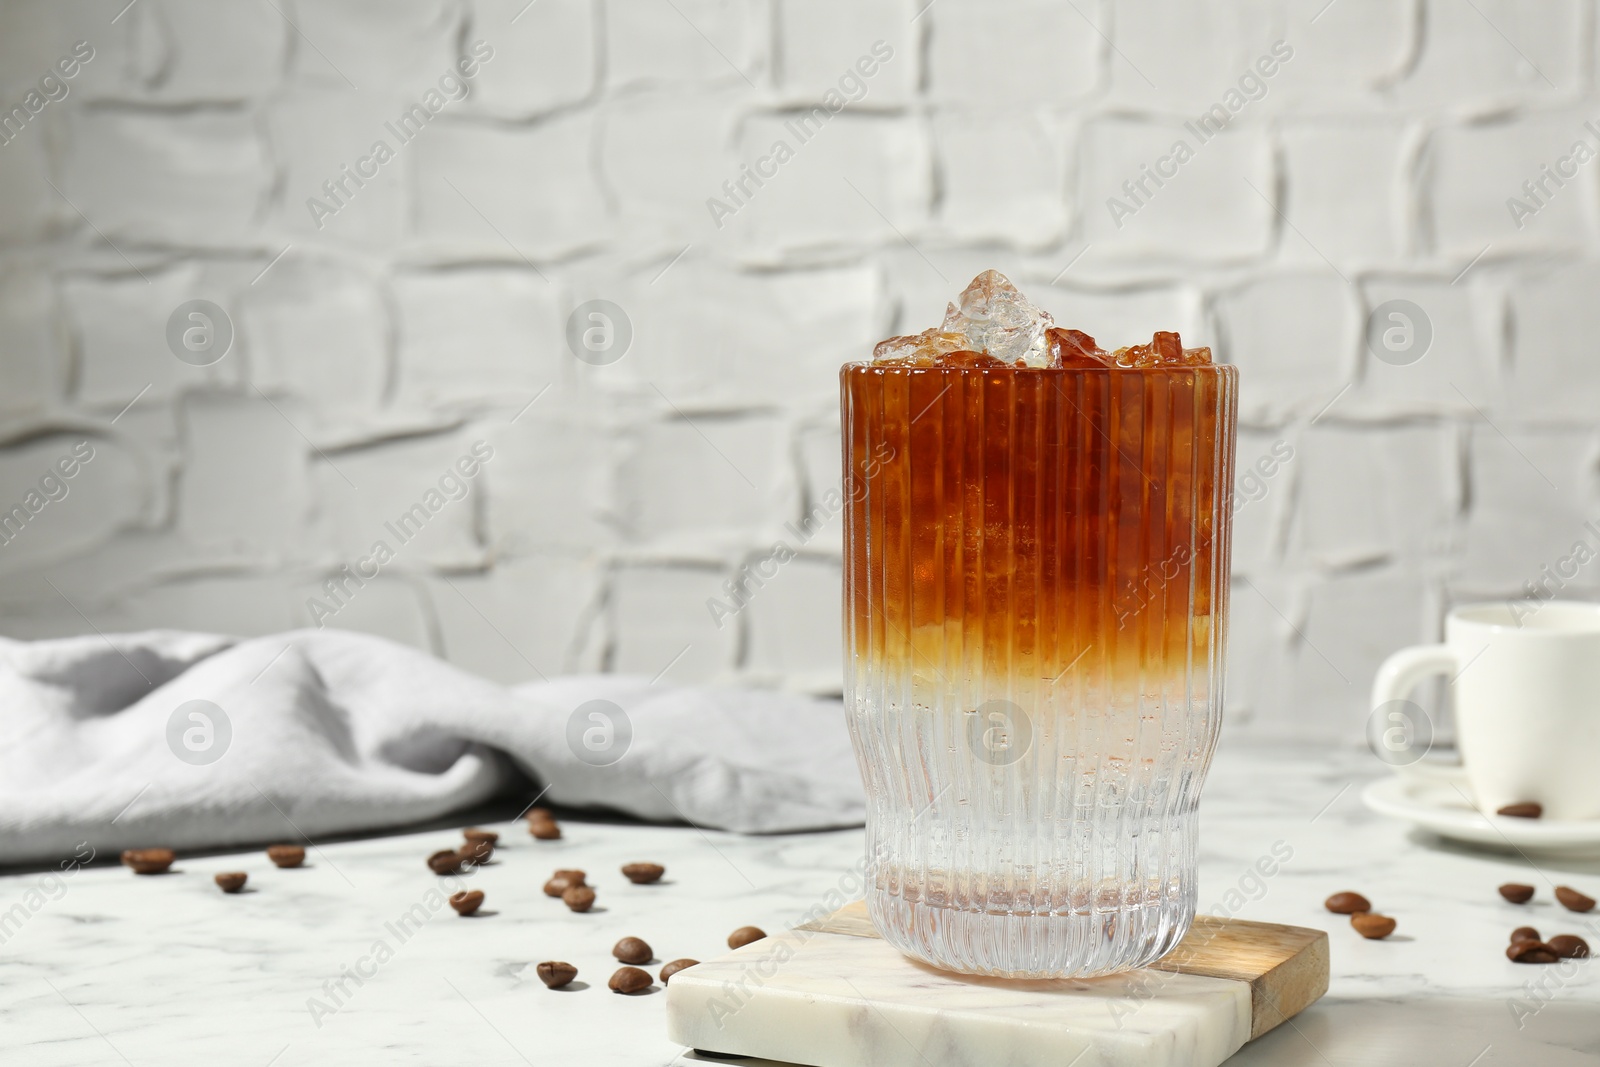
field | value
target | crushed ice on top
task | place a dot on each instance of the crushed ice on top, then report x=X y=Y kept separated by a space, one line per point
x=994 y=326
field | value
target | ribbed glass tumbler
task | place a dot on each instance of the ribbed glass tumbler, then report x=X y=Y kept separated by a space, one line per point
x=1036 y=591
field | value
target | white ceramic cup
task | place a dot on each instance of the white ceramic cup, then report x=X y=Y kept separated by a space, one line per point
x=1526 y=681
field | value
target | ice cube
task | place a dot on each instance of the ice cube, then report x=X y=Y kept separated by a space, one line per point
x=994 y=327
x=974 y=360
x=995 y=318
x=1164 y=350
x=1074 y=348
x=919 y=349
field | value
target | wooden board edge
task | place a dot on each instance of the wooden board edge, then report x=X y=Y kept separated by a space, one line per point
x=1264 y=944
x=853 y=920
x=1297 y=979
x=1291 y=987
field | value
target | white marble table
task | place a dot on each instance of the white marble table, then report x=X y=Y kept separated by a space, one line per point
x=107 y=968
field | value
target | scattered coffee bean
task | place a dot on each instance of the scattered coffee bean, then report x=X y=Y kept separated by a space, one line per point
x=562 y=881
x=545 y=831
x=539 y=815
x=286 y=855
x=467 y=902
x=1530 y=952
x=674 y=967
x=477 y=852
x=472 y=833
x=1573 y=900
x=1528 y=810
x=632 y=950
x=630 y=980
x=643 y=873
x=1517 y=894
x=555 y=973
x=1371 y=925
x=1347 y=903
x=579 y=898
x=1569 y=946
x=445 y=861
x=1525 y=933
x=148 y=860
x=745 y=935
x=230 y=881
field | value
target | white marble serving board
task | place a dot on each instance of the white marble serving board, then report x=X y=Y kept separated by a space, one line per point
x=833 y=1000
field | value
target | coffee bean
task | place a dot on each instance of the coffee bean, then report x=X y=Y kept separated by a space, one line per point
x=630 y=980
x=632 y=950
x=1524 y=933
x=744 y=935
x=545 y=831
x=1347 y=903
x=286 y=855
x=579 y=898
x=1569 y=946
x=1573 y=900
x=1531 y=952
x=1517 y=894
x=472 y=833
x=539 y=815
x=445 y=861
x=477 y=852
x=1372 y=926
x=555 y=973
x=467 y=902
x=1526 y=810
x=562 y=881
x=674 y=967
x=643 y=873
x=148 y=860
x=230 y=881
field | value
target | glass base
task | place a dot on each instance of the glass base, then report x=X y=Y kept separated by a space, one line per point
x=1109 y=937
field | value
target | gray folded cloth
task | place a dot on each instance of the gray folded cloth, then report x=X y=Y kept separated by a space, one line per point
x=190 y=740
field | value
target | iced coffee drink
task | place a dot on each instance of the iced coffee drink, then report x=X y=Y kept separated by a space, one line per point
x=1036 y=591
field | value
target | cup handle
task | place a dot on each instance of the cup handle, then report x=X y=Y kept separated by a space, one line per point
x=1399 y=675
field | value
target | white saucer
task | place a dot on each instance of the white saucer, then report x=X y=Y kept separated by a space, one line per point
x=1439 y=799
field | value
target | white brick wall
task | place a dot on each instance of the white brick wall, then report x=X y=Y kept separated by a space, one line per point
x=430 y=311
x=161 y=178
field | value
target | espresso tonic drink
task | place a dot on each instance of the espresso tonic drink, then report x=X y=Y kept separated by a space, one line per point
x=1035 y=613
